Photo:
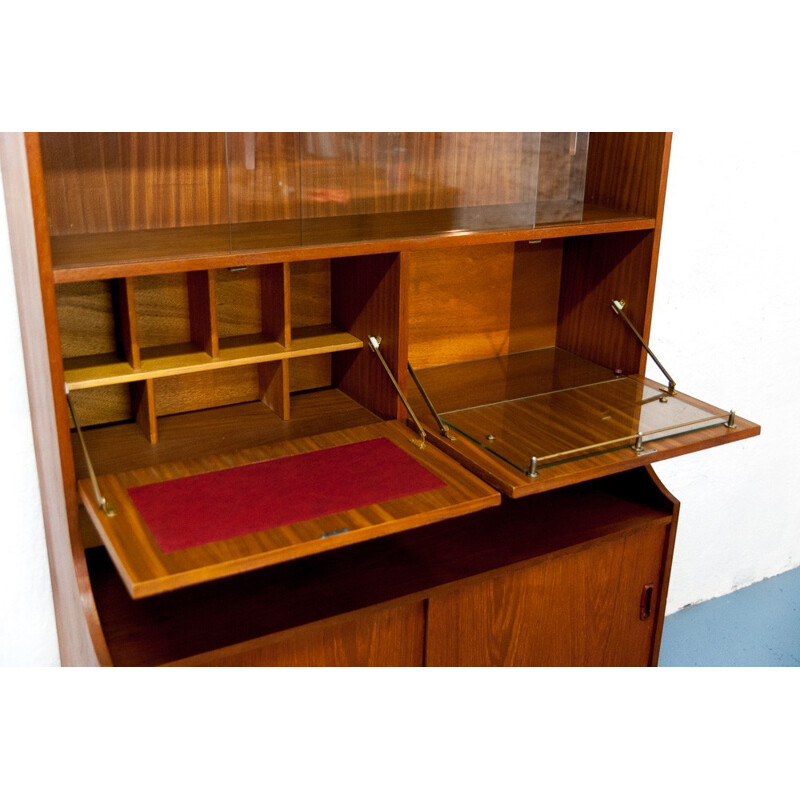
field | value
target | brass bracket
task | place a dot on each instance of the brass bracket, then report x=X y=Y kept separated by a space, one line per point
x=102 y=503
x=374 y=344
x=443 y=428
x=617 y=307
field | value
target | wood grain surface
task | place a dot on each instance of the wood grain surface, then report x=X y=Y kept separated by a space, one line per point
x=146 y=570
x=99 y=256
x=235 y=615
x=427 y=240
x=473 y=302
x=488 y=382
x=80 y=636
x=581 y=609
x=382 y=637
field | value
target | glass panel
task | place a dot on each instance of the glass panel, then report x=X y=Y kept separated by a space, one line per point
x=322 y=188
x=387 y=184
x=562 y=177
x=573 y=423
x=454 y=387
x=120 y=197
x=265 y=190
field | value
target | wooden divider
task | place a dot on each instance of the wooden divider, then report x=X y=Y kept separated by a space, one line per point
x=186 y=341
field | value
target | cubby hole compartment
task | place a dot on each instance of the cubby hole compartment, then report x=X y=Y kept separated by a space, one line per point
x=251 y=310
x=315 y=332
x=175 y=320
x=310 y=311
x=103 y=405
x=97 y=330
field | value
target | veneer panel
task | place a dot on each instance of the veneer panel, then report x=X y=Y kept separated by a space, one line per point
x=147 y=570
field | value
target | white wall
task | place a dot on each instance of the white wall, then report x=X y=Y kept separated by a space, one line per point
x=726 y=324
x=726 y=316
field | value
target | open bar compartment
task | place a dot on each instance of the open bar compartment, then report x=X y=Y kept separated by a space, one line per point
x=527 y=374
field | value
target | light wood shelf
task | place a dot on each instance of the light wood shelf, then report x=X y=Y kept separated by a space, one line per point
x=87 y=372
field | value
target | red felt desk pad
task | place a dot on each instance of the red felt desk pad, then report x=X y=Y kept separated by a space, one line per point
x=200 y=509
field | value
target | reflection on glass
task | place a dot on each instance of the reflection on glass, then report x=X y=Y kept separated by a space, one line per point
x=141 y=196
x=562 y=177
x=463 y=176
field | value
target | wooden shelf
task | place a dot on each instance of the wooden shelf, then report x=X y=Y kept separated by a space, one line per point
x=83 y=257
x=87 y=372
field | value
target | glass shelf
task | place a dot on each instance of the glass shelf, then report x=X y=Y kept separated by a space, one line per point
x=533 y=433
x=544 y=418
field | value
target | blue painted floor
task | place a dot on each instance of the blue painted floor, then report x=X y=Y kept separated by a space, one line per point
x=758 y=626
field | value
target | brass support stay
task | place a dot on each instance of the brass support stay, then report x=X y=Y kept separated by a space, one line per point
x=617 y=307
x=375 y=343
x=102 y=503
x=443 y=429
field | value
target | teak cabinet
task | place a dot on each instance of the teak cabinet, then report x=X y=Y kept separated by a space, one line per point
x=350 y=399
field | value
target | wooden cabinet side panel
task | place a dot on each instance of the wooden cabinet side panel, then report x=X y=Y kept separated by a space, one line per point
x=579 y=609
x=597 y=270
x=80 y=638
x=624 y=170
x=383 y=637
x=368 y=297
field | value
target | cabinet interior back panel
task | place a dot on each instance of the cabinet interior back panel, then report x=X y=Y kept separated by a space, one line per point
x=109 y=182
x=481 y=301
x=86 y=319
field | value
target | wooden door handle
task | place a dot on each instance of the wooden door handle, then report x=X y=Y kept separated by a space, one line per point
x=646 y=605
